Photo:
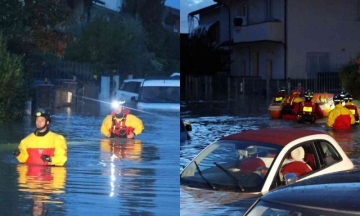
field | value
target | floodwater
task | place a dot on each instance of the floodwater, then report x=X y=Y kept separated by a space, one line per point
x=101 y=176
x=213 y=120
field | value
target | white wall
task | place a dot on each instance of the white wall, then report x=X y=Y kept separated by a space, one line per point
x=322 y=26
x=273 y=52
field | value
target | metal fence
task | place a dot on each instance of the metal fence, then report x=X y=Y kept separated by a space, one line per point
x=228 y=88
x=70 y=70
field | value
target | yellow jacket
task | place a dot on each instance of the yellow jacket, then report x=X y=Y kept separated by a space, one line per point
x=52 y=144
x=337 y=111
x=349 y=103
x=131 y=121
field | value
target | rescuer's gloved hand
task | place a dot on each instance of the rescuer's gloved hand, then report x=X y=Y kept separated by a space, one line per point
x=46 y=158
x=16 y=152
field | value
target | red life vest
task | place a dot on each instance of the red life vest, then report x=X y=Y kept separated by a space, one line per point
x=36 y=153
x=120 y=129
x=353 y=109
x=342 y=122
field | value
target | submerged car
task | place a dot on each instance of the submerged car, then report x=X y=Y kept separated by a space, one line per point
x=256 y=161
x=331 y=194
x=129 y=89
x=160 y=94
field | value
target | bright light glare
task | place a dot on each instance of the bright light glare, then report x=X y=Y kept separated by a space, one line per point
x=115 y=104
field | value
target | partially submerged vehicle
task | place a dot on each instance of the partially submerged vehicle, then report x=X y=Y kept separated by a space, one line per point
x=129 y=89
x=160 y=93
x=256 y=161
x=331 y=194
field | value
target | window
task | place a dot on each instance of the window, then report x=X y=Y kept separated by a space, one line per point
x=242 y=10
x=299 y=160
x=327 y=153
x=130 y=87
x=317 y=63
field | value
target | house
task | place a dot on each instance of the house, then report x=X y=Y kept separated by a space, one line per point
x=171 y=19
x=280 y=39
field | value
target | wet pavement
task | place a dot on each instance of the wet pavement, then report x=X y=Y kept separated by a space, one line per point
x=213 y=120
x=101 y=176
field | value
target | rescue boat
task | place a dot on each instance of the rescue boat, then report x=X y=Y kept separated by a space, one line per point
x=325 y=101
x=275 y=110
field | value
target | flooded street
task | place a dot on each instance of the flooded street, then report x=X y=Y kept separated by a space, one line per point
x=101 y=176
x=213 y=120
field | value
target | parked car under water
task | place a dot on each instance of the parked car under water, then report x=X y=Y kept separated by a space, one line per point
x=331 y=194
x=255 y=162
x=160 y=94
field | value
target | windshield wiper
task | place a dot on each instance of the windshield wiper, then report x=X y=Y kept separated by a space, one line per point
x=231 y=176
x=207 y=181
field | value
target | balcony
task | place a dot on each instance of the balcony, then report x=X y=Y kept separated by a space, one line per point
x=268 y=31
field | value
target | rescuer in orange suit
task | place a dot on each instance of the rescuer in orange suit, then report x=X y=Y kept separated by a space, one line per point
x=280 y=96
x=291 y=105
x=308 y=109
x=340 y=118
x=120 y=123
x=42 y=147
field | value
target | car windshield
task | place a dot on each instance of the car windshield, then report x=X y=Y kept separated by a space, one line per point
x=264 y=208
x=156 y=94
x=231 y=165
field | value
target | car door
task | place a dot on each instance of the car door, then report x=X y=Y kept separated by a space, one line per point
x=127 y=90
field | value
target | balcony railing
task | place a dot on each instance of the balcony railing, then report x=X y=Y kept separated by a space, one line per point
x=267 y=31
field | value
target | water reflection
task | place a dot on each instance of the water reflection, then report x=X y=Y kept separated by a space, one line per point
x=39 y=184
x=121 y=149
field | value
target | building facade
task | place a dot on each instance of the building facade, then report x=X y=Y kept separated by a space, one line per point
x=280 y=39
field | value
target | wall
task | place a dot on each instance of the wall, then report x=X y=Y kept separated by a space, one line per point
x=328 y=26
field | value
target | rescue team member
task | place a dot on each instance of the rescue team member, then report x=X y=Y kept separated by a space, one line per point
x=352 y=107
x=120 y=123
x=308 y=109
x=280 y=96
x=340 y=118
x=342 y=95
x=291 y=105
x=42 y=147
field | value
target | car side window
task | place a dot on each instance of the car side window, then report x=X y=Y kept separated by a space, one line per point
x=299 y=160
x=327 y=153
x=130 y=87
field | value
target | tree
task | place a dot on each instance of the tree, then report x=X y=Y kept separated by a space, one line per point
x=120 y=42
x=164 y=44
x=200 y=56
x=35 y=24
x=350 y=78
x=12 y=91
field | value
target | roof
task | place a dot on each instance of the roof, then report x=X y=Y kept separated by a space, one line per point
x=170 y=10
x=277 y=136
x=162 y=83
x=214 y=6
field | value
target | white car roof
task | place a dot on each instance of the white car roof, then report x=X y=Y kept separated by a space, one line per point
x=134 y=80
x=162 y=82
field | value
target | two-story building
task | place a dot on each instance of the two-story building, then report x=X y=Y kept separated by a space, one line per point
x=279 y=39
